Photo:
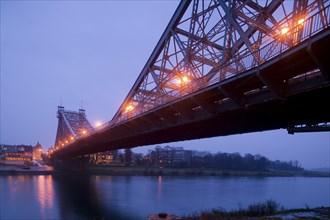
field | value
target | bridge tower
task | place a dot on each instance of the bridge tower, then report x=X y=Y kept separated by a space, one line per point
x=72 y=125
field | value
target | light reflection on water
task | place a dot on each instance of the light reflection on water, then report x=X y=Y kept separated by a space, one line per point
x=45 y=194
x=159 y=188
x=134 y=197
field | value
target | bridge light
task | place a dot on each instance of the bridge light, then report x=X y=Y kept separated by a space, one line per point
x=98 y=123
x=301 y=21
x=84 y=132
x=284 y=30
x=71 y=138
x=129 y=108
x=66 y=142
x=182 y=80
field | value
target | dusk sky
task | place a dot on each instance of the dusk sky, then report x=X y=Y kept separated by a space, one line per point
x=88 y=54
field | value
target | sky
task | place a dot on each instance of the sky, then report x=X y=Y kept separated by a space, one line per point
x=88 y=54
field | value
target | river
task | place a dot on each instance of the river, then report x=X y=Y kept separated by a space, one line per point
x=135 y=197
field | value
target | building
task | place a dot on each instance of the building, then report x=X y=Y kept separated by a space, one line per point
x=37 y=152
x=181 y=156
x=170 y=156
x=107 y=157
x=22 y=153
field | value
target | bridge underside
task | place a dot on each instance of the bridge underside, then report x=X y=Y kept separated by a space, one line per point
x=276 y=95
x=77 y=164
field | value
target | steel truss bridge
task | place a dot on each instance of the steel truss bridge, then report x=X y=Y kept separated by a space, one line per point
x=221 y=67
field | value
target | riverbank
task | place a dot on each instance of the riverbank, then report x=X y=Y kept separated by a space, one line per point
x=155 y=171
x=264 y=213
x=152 y=171
x=21 y=169
x=269 y=210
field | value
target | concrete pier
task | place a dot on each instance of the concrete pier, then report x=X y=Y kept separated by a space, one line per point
x=73 y=164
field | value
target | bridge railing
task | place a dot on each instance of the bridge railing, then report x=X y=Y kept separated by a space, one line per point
x=295 y=35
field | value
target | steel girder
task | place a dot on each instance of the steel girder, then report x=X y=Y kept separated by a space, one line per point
x=207 y=42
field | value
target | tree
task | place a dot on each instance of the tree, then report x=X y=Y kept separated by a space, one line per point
x=128 y=157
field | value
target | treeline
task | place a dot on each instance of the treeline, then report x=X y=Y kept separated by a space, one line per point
x=178 y=157
x=235 y=161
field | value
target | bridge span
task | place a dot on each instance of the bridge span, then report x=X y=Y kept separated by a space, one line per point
x=222 y=69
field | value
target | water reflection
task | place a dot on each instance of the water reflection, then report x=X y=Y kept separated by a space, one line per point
x=135 y=197
x=78 y=199
x=26 y=197
x=159 y=188
x=45 y=194
x=128 y=197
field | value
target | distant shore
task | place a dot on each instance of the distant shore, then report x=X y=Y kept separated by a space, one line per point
x=153 y=171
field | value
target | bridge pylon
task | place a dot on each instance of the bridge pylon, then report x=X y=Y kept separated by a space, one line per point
x=72 y=125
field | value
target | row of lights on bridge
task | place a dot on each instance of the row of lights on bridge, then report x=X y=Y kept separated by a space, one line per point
x=180 y=81
x=71 y=138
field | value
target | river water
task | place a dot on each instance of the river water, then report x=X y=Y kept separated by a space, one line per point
x=135 y=197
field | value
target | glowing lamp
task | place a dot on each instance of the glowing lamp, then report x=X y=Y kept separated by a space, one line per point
x=301 y=21
x=284 y=30
x=129 y=108
x=182 y=80
x=98 y=123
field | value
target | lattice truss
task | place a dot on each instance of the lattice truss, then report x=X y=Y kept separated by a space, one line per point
x=210 y=41
x=71 y=126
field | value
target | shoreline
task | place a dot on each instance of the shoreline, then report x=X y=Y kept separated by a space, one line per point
x=262 y=212
x=154 y=171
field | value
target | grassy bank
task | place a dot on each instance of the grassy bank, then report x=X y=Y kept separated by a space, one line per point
x=268 y=210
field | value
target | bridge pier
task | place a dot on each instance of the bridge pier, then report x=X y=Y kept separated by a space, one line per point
x=72 y=164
